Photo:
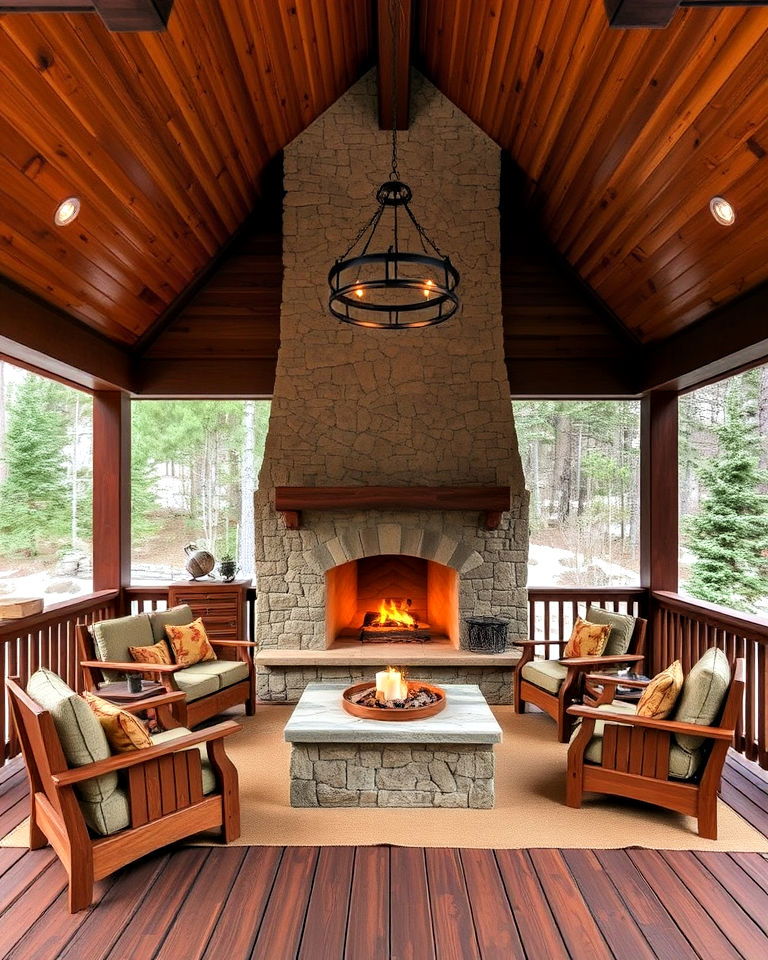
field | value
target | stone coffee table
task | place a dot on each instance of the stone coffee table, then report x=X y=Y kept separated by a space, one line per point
x=338 y=760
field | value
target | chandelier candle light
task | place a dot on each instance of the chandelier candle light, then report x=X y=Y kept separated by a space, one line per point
x=393 y=288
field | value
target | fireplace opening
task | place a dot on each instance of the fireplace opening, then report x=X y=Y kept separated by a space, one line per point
x=392 y=599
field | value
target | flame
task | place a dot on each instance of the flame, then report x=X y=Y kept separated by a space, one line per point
x=393 y=613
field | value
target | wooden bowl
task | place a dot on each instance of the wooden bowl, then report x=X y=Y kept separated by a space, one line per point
x=376 y=713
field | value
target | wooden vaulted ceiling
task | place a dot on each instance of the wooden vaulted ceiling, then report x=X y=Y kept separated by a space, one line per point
x=622 y=136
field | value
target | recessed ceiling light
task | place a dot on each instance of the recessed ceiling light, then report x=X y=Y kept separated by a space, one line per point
x=722 y=211
x=66 y=211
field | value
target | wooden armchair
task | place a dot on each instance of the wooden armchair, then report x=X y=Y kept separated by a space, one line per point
x=207 y=689
x=637 y=754
x=163 y=785
x=566 y=682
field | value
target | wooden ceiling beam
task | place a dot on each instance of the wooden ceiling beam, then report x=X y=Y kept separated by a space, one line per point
x=37 y=335
x=726 y=341
x=119 y=16
x=395 y=19
x=656 y=14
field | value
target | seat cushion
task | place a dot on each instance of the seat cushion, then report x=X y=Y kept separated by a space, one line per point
x=209 y=777
x=547 y=674
x=110 y=815
x=622 y=627
x=682 y=764
x=81 y=735
x=175 y=617
x=113 y=638
x=196 y=684
x=701 y=698
x=226 y=671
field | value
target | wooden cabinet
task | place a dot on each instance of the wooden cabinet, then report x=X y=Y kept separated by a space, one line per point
x=220 y=605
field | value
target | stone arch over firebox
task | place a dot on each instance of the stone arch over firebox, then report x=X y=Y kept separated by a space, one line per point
x=394 y=538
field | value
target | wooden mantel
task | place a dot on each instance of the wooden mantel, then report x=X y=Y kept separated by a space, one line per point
x=491 y=501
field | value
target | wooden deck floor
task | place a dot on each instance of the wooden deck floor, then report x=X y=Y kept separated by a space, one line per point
x=371 y=903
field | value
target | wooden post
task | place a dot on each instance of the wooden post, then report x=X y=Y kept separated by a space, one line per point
x=111 y=490
x=394 y=30
x=658 y=491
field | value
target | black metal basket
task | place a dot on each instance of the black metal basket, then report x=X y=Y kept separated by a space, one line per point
x=487 y=634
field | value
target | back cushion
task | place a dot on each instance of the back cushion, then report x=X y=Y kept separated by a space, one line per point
x=175 y=617
x=81 y=735
x=114 y=637
x=702 y=695
x=622 y=627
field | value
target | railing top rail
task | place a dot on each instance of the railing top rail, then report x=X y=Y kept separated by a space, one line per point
x=575 y=593
x=57 y=611
x=744 y=624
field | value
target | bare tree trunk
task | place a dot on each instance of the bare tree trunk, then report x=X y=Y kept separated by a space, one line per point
x=247 y=539
x=74 y=499
x=762 y=421
x=563 y=471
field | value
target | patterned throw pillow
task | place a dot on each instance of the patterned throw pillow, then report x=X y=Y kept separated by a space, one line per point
x=156 y=653
x=190 y=643
x=587 y=639
x=659 y=697
x=124 y=731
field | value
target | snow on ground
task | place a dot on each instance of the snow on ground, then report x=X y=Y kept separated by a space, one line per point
x=42 y=583
x=551 y=566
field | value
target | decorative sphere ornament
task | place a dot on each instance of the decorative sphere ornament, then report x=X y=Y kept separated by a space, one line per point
x=199 y=562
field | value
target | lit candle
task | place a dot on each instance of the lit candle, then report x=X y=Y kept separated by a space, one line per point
x=389 y=684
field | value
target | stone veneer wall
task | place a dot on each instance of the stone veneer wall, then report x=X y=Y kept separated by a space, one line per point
x=439 y=394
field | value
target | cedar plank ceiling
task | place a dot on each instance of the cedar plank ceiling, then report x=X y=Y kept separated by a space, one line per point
x=623 y=137
x=162 y=135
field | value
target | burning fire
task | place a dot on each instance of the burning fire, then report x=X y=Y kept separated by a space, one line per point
x=392 y=613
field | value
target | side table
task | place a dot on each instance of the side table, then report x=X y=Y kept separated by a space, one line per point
x=119 y=694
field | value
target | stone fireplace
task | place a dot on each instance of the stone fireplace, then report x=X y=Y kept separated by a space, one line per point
x=406 y=408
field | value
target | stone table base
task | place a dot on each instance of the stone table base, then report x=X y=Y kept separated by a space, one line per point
x=402 y=775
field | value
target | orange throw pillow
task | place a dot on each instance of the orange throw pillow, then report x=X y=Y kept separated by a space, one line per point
x=660 y=696
x=190 y=643
x=587 y=639
x=155 y=653
x=124 y=731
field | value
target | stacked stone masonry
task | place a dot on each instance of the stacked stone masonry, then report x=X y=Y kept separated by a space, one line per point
x=286 y=684
x=414 y=407
x=368 y=775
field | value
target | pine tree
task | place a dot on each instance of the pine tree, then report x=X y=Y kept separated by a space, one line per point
x=729 y=537
x=34 y=496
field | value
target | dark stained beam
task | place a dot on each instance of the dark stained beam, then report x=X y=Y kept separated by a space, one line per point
x=584 y=379
x=731 y=338
x=119 y=16
x=640 y=13
x=210 y=379
x=658 y=491
x=37 y=335
x=112 y=493
x=657 y=14
x=395 y=31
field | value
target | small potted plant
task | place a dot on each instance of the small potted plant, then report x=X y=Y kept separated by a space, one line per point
x=228 y=568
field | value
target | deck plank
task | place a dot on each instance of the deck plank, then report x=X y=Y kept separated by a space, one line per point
x=452 y=921
x=280 y=932
x=325 y=926
x=411 y=936
x=368 y=925
x=743 y=886
x=538 y=931
x=495 y=925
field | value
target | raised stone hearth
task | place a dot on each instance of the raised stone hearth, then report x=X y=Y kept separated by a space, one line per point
x=422 y=408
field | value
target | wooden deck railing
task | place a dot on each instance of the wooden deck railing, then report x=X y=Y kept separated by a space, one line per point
x=47 y=640
x=553 y=610
x=683 y=629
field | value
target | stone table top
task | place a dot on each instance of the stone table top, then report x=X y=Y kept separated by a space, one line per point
x=319 y=717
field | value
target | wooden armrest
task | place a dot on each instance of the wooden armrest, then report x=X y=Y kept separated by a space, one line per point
x=539 y=643
x=582 y=662
x=231 y=643
x=132 y=667
x=122 y=761
x=151 y=702
x=668 y=726
x=610 y=679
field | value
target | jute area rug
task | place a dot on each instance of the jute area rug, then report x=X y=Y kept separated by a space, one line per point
x=529 y=811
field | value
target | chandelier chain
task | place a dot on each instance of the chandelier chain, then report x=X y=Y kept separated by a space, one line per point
x=393 y=4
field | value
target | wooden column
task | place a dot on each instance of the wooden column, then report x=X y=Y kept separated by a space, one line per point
x=659 y=491
x=394 y=31
x=111 y=490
